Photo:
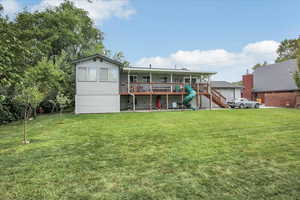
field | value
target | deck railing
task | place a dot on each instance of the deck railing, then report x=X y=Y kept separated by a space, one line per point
x=157 y=87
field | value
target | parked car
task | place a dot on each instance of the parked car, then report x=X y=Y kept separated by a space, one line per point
x=243 y=103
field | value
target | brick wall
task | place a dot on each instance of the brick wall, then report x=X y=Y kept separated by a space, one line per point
x=280 y=99
x=248 y=86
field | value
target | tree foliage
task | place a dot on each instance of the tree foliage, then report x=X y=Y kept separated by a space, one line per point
x=297 y=73
x=64 y=28
x=14 y=56
x=259 y=65
x=287 y=50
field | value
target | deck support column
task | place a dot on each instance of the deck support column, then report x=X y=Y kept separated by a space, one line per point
x=167 y=101
x=209 y=92
x=171 y=80
x=150 y=84
x=133 y=102
x=198 y=96
x=150 y=102
x=128 y=82
x=181 y=100
x=151 y=91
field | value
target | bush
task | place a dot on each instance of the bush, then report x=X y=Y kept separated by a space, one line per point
x=10 y=110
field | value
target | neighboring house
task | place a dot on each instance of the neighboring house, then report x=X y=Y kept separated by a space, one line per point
x=273 y=84
x=103 y=85
x=227 y=89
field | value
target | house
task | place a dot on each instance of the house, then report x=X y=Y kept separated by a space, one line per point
x=273 y=84
x=103 y=85
x=227 y=89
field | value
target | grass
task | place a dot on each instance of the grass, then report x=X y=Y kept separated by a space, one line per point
x=221 y=154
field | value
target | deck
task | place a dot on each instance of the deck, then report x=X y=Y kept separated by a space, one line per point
x=159 y=88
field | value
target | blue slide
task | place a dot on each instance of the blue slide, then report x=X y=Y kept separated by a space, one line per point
x=191 y=93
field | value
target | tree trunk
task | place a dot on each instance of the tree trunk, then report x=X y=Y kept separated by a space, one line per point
x=24 y=126
x=60 y=115
x=34 y=113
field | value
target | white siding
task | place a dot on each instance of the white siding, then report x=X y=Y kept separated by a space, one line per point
x=96 y=87
x=97 y=96
x=97 y=104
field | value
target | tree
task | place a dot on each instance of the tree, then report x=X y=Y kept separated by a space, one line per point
x=63 y=101
x=259 y=65
x=30 y=97
x=64 y=27
x=14 y=56
x=287 y=50
x=46 y=75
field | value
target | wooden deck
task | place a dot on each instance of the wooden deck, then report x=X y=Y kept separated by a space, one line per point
x=160 y=93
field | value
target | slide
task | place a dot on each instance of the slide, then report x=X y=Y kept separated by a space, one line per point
x=191 y=93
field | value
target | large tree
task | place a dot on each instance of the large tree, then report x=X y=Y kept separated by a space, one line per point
x=14 y=56
x=287 y=49
x=65 y=27
x=297 y=73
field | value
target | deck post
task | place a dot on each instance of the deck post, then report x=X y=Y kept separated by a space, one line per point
x=190 y=80
x=209 y=91
x=150 y=102
x=150 y=76
x=128 y=82
x=181 y=100
x=133 y=102
x=198 y=97
x=167 y=101
x=171 y=80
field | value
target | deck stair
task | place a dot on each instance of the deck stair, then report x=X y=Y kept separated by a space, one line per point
x=217 y=98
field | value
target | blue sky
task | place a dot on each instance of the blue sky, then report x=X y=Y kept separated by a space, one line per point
x=210 y=35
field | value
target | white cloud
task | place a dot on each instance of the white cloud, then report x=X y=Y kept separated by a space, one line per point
x=99 y=10
x=229 y=66
x=11 y=7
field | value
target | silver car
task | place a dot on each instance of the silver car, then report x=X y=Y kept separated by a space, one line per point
x=243 y=103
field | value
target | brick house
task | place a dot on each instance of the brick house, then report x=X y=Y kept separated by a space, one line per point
x=273 y=84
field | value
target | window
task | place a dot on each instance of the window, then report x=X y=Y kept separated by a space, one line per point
x=186 y=79
x=178 y=80
x=113 y=74
x=81 y=73
x=87 y=74
x=104 y=74
x=146 y=79
x=133 y=78
x=164 y=79
x=194 y=80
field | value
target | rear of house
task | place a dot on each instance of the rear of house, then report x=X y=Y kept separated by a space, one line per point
x=103 y=85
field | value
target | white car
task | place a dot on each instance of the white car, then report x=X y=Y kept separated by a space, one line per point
x=243 y=103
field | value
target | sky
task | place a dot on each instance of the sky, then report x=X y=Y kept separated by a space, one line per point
x=227 y=37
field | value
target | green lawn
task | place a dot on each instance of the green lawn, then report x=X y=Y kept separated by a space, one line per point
x=220 y=154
